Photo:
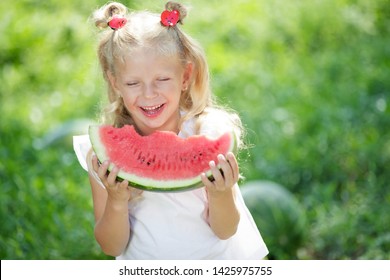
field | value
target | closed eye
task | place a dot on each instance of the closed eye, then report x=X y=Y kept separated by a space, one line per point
x=132 y=84
x=163 y=79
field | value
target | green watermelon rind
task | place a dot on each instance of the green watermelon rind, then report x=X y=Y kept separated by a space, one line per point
x=147 y=183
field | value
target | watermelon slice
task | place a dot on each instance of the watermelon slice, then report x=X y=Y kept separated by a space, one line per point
x=161 y=161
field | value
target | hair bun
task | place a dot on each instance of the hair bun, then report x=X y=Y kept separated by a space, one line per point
x=103 y=15
x=178 y=7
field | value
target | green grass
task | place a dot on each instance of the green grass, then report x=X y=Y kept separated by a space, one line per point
x=309 y=78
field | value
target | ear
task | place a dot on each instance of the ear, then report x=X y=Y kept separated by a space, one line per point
x=187 y=75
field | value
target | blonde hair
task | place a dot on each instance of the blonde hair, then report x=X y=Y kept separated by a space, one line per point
x=144 y=29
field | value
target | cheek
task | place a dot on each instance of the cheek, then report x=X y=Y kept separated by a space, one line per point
x=172 y=88
x=129 y=101
x=165 y=87
x=130 y=94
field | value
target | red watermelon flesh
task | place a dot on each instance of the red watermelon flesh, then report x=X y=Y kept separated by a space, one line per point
x=161 y=161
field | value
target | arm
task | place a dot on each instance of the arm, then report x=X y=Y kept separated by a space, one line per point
x=112 y=227
x=223 y=213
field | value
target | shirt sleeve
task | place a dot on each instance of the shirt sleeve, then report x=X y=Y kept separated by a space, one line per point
x=82 y=145
x=214 y=125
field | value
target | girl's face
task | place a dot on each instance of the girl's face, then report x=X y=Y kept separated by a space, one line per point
x=151 y=85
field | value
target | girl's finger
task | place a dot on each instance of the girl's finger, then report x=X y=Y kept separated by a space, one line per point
x=102 y=170
x=234 y=165
x=95 y=164
x=227 y=171
x=124 y=184
x=111 y=178
x=219 y=181
x=206 y=182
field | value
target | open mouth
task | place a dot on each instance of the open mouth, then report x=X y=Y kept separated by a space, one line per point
x=152 y=110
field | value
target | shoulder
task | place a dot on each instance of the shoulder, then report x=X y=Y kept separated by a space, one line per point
x=215 y=122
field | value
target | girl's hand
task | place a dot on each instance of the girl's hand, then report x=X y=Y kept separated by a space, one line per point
x=117 y=191
x=224 y=179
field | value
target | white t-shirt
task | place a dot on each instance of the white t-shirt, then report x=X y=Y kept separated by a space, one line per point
x=173 y=225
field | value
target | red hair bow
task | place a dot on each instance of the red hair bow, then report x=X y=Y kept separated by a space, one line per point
x=117 y=22
x=170 y=18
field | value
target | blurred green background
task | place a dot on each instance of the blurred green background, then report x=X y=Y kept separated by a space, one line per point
x=311 y=80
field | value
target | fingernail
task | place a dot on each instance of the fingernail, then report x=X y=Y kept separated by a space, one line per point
x=221 y=157
x=212 y=163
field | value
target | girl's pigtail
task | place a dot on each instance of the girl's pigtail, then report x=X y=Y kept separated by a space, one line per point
x=104 y=16
x=174 y=6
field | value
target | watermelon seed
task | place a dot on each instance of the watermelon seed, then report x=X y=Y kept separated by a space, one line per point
x=151 y=160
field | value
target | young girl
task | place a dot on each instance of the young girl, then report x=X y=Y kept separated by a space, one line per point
x=158 y=79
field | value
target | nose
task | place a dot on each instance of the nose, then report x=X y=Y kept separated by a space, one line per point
x=149 y=91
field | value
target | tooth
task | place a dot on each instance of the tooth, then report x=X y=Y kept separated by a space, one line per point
x=151 y=108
